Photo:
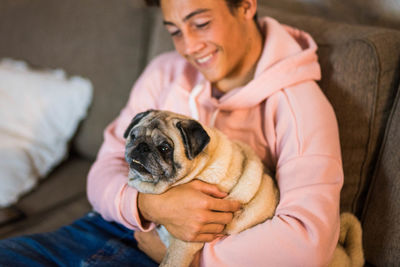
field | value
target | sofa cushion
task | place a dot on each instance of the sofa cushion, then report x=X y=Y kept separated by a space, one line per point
x=59 y=200
x=384 y=13
x=360 y=75
x=382 y=211
x=98 y=39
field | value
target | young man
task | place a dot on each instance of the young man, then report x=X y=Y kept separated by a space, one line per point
x=256 y=83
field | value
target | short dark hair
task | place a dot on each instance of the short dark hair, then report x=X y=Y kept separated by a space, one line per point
x=152 y=2
x=232 y=4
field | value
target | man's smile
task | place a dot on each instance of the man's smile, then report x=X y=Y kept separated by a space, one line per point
x=205 y=60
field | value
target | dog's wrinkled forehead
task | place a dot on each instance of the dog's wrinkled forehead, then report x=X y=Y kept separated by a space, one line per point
x=145 y=123
x=155 y=120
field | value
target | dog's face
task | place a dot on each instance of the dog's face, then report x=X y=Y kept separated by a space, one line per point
x=160 y=149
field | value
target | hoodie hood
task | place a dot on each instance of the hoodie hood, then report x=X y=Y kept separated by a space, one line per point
x=288 y=57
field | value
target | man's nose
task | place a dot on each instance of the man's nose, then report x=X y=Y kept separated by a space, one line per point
x=193 y=43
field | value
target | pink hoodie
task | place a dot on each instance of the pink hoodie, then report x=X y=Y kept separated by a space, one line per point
x=282 y=114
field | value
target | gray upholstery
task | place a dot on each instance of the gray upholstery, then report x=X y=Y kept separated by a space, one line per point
x=360 y=73
x=59 y=200
x=99 y=39
x=382 y=210
x=110 y=42
x=384 y=13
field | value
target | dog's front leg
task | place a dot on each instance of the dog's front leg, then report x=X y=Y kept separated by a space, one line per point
x=180 y=253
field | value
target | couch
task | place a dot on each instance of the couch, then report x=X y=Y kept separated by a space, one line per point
x=384 y=13
x=110 y=42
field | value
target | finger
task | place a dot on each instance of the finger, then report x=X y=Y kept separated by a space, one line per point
x=142 y=248
x=217 y=217
x=224 y=205
x=146 y=236
x=206 y=237
x=209 y=189
x=212 y=228
x=137 y=236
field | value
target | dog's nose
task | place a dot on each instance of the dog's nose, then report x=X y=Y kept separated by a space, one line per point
x=142 y=148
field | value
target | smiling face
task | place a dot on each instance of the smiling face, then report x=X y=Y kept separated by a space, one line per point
x=223 y=44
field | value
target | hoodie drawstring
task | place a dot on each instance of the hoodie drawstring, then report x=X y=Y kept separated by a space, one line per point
x=193 y=106
x=192 y=100
x=214 y=117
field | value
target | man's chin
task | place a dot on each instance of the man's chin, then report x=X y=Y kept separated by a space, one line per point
x=211 y=76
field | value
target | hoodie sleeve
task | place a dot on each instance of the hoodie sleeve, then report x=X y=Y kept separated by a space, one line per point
x=301 y=131
x=107 y=187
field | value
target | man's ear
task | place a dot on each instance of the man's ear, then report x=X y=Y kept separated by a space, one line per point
x=249 y=8
x=135 y=121
x=194 y=137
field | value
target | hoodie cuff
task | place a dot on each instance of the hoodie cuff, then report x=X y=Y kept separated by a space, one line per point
x=130 y=212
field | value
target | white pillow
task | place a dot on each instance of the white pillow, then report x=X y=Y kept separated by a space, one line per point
x=39 y=113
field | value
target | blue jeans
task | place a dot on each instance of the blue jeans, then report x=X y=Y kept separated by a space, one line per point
x=89 y=241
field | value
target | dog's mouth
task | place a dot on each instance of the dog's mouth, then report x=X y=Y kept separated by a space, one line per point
x=138 y=166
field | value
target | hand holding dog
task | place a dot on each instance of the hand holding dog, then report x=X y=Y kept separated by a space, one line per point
x=193 y=212
x=151 y=244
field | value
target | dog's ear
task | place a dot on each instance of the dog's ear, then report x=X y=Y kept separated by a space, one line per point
x=194 y=137
x=135 y=121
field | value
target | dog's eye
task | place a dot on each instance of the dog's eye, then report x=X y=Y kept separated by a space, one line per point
x=164 y=147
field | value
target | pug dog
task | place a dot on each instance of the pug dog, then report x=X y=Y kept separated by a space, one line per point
x=165 y=149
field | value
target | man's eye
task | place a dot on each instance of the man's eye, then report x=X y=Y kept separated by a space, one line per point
x=202 y=25
x=175 y=33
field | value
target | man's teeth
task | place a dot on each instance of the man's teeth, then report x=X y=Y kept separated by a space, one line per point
x=204 y=59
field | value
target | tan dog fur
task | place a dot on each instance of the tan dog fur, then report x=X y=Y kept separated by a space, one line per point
x=349 y=252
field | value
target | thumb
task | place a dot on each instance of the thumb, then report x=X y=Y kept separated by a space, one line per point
x=209 y=189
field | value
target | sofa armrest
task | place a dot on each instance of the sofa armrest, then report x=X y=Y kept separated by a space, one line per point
x=382 y=209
